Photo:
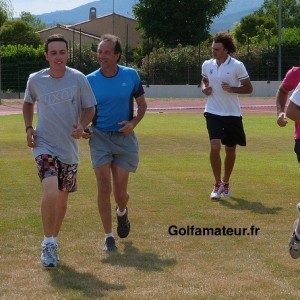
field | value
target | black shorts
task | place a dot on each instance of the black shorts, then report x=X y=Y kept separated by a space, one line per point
x=228 y=129
x=297 y=149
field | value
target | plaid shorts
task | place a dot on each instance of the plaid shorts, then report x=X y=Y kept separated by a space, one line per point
x=49 y=165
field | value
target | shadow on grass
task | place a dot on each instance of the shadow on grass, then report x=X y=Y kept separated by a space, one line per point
x=242 y=204
x=132 y=257
x=66 y=278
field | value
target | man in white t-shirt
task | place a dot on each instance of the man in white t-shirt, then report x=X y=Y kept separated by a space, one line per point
x=293 y=113
x=223 y=78
x=65 y=106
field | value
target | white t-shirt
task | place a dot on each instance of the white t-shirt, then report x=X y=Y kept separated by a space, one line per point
x=59 y=104
x=231 y=71
x=295 y=97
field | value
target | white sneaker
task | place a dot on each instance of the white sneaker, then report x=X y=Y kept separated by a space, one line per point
x=217 y=191
x=226 y=190
x=49 y=255
x=294 y=243
x=55 y=252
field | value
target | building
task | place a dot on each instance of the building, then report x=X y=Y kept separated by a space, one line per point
x=90 y=31
x=74 y=36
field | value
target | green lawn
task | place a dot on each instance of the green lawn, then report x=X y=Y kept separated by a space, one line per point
x=171 y=187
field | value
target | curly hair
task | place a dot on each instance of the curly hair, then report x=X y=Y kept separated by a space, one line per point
x=227 y=40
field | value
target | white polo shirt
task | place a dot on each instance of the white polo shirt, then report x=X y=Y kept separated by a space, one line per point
x=232 y=71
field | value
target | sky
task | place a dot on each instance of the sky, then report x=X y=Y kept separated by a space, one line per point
x=36 y=7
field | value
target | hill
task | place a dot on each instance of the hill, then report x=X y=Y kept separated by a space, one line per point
x=236 y=9
x=81 y=13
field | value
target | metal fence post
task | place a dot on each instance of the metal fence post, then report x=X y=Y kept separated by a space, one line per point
x=0 y=81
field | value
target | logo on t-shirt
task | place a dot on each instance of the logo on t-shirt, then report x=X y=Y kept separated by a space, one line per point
x=61 y=96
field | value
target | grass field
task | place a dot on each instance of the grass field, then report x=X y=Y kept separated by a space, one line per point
x=171 y=187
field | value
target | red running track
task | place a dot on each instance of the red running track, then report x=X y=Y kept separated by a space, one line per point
x=248 y=105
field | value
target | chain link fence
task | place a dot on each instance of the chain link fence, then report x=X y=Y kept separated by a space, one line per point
x=14 y=76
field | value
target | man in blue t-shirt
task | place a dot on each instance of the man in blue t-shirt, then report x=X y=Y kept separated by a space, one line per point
x=113 y=144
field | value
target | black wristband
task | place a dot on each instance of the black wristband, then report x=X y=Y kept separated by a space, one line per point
x=28 y=127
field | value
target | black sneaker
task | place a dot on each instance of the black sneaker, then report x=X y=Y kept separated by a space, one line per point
x=110 y=244
x=123 y=228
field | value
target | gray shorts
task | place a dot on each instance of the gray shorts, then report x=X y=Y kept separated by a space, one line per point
x=106 y=147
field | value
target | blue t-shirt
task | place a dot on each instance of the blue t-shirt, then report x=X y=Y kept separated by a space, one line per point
x=115 y=97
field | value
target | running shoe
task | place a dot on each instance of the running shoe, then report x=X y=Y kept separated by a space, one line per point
x=123 y=228
x=49 y=255
x=294 y=243
x=55 y=252
x=226 y=190
x=109 y=244
x=217 y=191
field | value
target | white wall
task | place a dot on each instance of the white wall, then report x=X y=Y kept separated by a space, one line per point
x=260 y=89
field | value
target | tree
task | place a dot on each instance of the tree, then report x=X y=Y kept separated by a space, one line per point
x=247 y=28
x=5 y=5
x=264 y=21
x=251 y=26
x=6 y=11
x=290 y=12
x=3 y=16
x=19 y=32
x=176 y=22
x=33 y=21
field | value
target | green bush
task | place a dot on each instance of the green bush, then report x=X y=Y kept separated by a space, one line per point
x=160 y=65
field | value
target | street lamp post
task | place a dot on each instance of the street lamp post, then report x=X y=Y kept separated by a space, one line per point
x=279 y=37
x=113 y=20
x=0 y=81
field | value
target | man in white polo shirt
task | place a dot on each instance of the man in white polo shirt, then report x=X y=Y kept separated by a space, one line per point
x=223 y=78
